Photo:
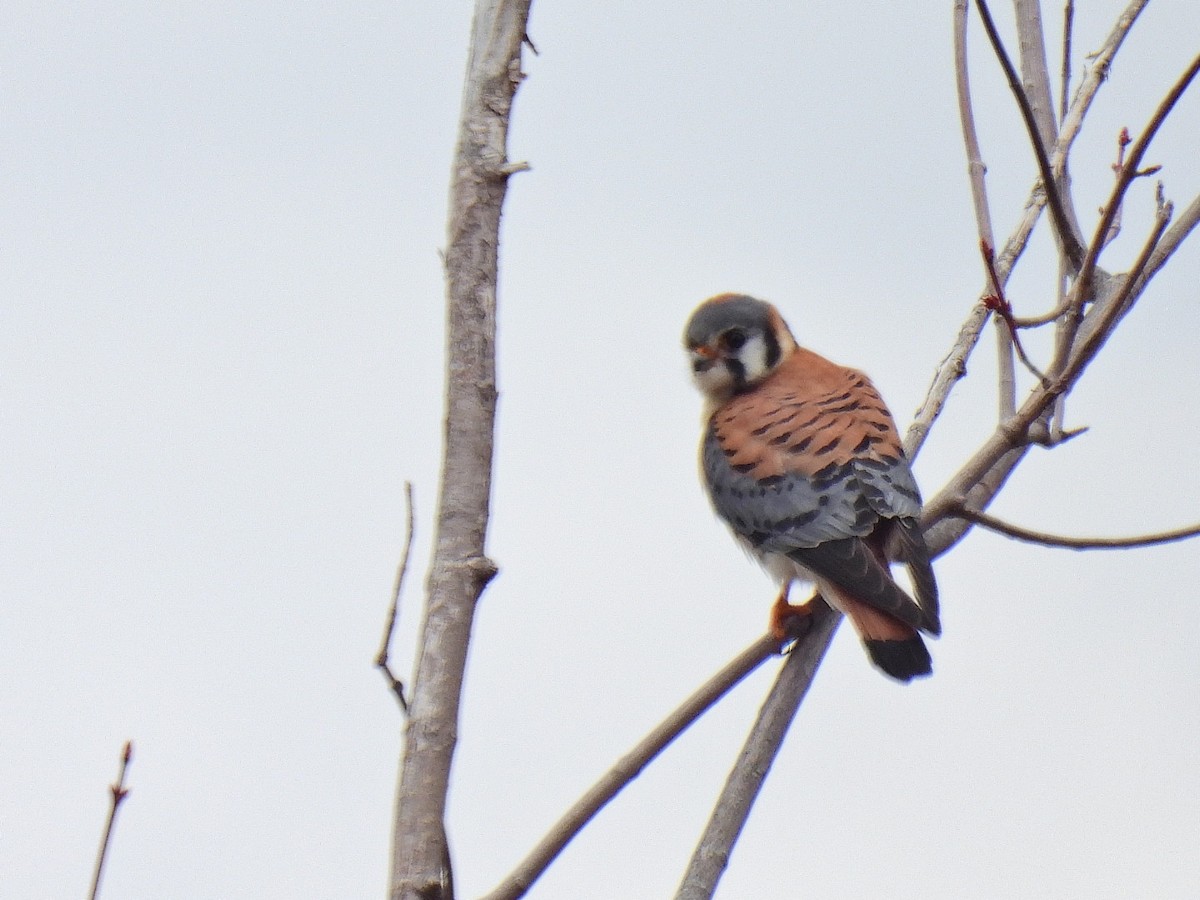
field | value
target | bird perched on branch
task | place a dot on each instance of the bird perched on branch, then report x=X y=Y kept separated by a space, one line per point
x=803 y=462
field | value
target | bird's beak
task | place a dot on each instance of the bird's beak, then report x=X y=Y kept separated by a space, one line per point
x=703 y=357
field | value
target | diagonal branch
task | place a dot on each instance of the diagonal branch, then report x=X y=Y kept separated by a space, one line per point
x=991 y=523
x=118 y=792
x=1068 y=130
x=1171 y=239
x=1125 y=177
x=1068 y=240
x=628 y=767
x=766 y=737
x=1108 y=312
x=998 y=303
x=982 y=476
x=1095 y=76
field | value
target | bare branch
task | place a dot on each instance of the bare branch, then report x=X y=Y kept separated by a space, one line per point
x=118 y=792
x=746 y=779
x=460 y=569
x=1125 y=177
x=1174 y=236
x=954 y=365
x=1035 y=73
x=1098 y=326
x=518 y=882
x=1062 y=225
x=976 y=169
x=981 y=477
x=1044 y=319
x=991 y=523
x=952 y=368
x=998 y=303
x=1068 y=130
x=381 y=658
x=1064 y=90
x=1095 y=76
x=1035 y=77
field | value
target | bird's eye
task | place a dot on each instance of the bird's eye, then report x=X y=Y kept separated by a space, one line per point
x=734 y=339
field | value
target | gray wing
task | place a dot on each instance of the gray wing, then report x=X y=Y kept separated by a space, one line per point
x=840 y=521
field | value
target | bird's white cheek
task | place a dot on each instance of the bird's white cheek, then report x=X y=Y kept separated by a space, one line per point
x=714 y=381
x=754 y=358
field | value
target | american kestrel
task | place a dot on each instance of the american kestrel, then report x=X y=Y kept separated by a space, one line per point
x=803 y=462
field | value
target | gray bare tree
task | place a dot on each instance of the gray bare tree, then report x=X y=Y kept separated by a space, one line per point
x=1090 y=303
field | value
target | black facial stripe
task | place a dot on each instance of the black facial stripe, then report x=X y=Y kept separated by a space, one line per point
x=737 y=371
x=773 y=350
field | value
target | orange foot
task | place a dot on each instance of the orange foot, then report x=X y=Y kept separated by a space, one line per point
x=788 y=621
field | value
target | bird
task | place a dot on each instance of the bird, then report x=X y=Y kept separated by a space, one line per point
x=802 y=460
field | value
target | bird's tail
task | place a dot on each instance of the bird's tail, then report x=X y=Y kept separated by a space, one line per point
x=903 y=659
x=894 y=646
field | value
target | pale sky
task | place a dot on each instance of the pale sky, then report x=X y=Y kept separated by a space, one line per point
x=221 y=356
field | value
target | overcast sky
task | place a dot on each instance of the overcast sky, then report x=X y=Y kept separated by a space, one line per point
x=221 y=353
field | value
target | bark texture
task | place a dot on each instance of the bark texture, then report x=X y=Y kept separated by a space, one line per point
x=460 y=569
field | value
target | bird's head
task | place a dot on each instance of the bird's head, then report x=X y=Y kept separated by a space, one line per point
x=734 y=342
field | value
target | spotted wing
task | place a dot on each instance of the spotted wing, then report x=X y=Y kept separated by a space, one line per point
x=810 y=465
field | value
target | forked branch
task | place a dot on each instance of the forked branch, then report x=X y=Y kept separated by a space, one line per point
x=628 y=767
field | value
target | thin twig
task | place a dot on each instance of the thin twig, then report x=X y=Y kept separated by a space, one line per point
x=1068 y=130
x=998 y=303
x=953 y=366
x=1104 y=318
x=1062 y=225
x=381 y=658
x=118 y=792
x=1125 y=177
x=1170 y=241
x=1061 y=283
x=1044 y=319
x=1095 y=76
x=976 y=169
x=517 y=882
x=1064 y=90
x=1114 y=228
x=982 y=476
x=991 y=523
